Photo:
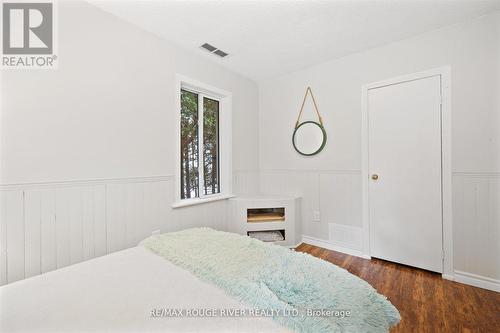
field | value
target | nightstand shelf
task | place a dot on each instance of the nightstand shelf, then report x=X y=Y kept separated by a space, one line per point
x=268 y=218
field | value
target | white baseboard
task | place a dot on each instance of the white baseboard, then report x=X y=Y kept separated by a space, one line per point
x=450 y=277
x=477 y=281
x=332 y=246
x=458 y=276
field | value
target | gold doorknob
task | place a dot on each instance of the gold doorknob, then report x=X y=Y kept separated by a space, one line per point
x=374 y=176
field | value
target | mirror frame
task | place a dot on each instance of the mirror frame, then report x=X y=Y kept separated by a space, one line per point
x=322 y=144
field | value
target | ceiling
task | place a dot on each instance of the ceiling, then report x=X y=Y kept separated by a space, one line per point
x=268 y=38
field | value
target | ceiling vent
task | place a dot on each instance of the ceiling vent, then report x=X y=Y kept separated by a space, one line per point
x=212 y=49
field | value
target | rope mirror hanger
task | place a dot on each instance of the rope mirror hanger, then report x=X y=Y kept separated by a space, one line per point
x=309 y=137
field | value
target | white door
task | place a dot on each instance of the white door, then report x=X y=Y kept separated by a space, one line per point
x=404 y=133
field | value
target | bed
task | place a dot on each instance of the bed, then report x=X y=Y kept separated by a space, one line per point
x=135 y=290
x=117 y=293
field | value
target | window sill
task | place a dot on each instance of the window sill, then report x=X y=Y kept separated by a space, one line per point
x=199 y=201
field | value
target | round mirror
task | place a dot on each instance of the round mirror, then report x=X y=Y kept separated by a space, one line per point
x=309 y=138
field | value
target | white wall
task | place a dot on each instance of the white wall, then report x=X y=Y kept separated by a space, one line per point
x=331 y=183
x=87 y=150
x=108 y=111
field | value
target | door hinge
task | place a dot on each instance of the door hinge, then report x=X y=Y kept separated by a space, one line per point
x=442 y=255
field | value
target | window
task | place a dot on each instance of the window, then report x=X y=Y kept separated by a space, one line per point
x=199 y=145
x=204 y=141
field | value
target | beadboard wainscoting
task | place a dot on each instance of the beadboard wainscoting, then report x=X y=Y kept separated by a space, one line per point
x=476 y=225
x=48 y=226
x=52 y=225
x=331 y=205
x=246 y=182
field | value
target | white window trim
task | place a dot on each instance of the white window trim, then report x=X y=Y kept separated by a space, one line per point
x=225 y=140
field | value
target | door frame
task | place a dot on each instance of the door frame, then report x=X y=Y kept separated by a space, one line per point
x=446 y=174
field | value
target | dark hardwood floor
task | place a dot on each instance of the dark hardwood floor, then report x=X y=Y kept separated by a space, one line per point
x=426 y=302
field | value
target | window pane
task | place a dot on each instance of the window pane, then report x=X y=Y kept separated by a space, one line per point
x=189 y=145
x=210 y=146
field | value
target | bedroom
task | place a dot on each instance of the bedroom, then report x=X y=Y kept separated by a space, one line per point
x=129 y=126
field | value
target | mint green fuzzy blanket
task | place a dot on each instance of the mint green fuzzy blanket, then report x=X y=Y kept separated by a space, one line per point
x=271 y=277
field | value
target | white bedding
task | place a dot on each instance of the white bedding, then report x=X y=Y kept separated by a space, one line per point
x=117 y=293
